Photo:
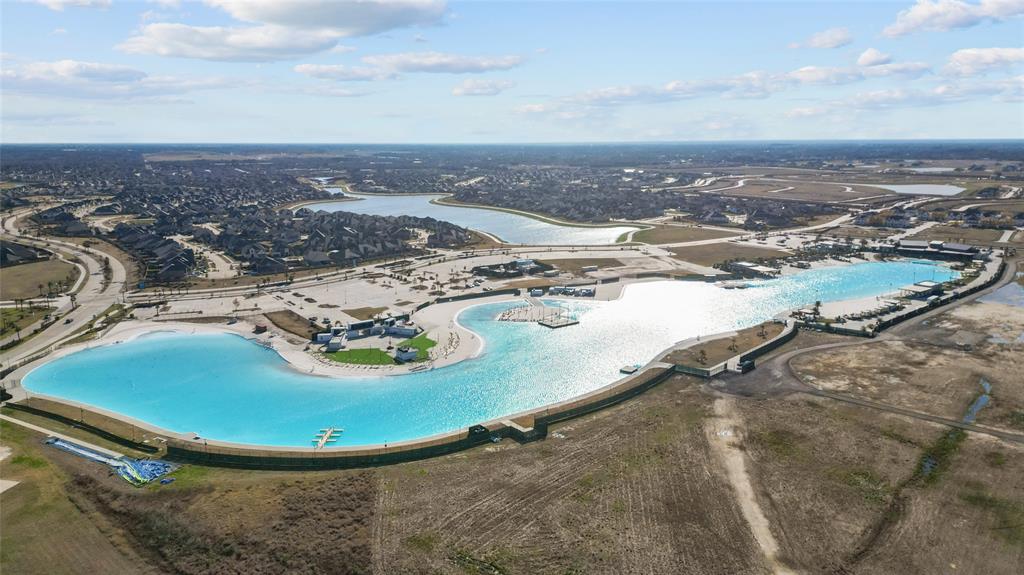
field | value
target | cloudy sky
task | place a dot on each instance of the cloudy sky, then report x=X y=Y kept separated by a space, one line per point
x=488 y=71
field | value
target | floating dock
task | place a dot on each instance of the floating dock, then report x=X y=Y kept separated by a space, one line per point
x=326 y=436
x=557 y=322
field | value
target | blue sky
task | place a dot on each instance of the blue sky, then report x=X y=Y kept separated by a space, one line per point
x=486 y=71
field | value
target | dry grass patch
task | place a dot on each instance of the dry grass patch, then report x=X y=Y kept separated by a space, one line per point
x=667 y=234
x=575 y=265
x=530 y=283
x=23 y=281
x=857 y=233
x=292 y=322
x=958 y=234
x=719 y=350
x=711 y=254
x=364 y=313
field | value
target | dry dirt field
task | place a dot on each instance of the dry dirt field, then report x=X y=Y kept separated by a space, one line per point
x=672 y=234
x=842 y=489
x=719 y=350
x=804 y=191
x=292 y=322
x=958 y=234
x=129 y=263
x=710 y=254
x=22 y=281
x=363 y=313
x=857 y=233
x=575 y=266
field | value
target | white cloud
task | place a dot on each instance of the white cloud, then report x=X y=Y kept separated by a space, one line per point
x=831 y=38
x=904 y=69
x=346 y=18
x=342 y=73
x=91 y=80
x=72 y=70
x=481 y=87
x=873 y=57
x=836 y=76
x=57 y=119
x=281 y=29
x=824 y=75
x=442 y=63
x=329 y=91
x=808 y=112
x=1006 y=90
x=58 y=31
x=253 y=44
x=60 y=5
x=974 y=61
x=944 y=15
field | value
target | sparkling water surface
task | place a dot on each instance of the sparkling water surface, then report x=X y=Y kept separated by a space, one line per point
x=224 y=387
x=509 y=227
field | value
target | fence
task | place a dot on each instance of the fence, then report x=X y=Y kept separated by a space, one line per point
x=96 y=430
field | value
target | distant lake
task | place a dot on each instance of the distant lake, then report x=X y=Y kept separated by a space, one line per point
x=509 y=227
x=920 y=189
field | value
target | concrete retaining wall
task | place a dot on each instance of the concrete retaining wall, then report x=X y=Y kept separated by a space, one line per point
x=528 y=426
x=787 y=334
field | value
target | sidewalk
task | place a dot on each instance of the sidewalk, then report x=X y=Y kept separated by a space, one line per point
x=47 y=432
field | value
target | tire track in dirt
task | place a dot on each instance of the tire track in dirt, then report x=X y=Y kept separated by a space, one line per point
x=725 y=436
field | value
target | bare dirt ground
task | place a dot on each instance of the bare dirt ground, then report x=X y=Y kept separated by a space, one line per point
x=958 y=234
x=805 y=191
x=292 y=322
x=710 y=254
x=634 y=489
x=719 y=350
x=575 y=266
x=841 y=492
x=937 y=367
x=857 y=232
x=670 y=234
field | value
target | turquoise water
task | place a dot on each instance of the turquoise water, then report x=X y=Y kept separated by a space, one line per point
x=509 y=227
x=224 y=387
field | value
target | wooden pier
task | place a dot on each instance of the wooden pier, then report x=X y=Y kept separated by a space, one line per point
x=326 y=436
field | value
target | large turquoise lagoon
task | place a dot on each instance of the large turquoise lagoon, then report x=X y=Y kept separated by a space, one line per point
x=507 y=226
x=224 y=387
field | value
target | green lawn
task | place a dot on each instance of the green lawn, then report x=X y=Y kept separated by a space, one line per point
x=370 y=356
x=373 y=356
x=422 y=343
x=12 y=319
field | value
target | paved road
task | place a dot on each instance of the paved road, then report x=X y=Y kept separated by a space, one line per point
x=93 y=297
